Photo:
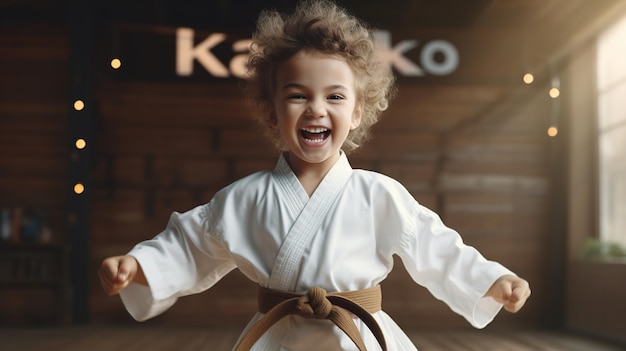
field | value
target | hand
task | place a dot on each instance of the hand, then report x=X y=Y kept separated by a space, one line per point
x=511 y=291
x=117 y=272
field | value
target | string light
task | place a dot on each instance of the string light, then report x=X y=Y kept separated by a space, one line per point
x=553 y=131
x=116 y=63
x=79 y=188
x=79 y=105
x=555 y=89
x=528 y=78
x=81 y=144
x=554 y=93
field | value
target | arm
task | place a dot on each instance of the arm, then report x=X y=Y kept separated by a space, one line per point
x=184 y=259
x=436 y=258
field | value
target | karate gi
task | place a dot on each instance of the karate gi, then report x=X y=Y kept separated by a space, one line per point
x=341 y=238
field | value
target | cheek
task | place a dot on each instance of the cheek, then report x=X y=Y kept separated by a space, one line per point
x=288 y=115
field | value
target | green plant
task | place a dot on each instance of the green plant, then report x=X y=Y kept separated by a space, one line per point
x=597 y=249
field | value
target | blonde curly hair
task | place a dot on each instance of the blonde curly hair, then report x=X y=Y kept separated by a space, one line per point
x=322 y=26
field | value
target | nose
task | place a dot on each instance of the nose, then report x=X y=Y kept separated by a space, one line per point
x=316 y=108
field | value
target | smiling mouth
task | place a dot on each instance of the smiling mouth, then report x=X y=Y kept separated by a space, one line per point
x=315 y=135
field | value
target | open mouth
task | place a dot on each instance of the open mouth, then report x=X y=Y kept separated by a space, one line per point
x=315 y=135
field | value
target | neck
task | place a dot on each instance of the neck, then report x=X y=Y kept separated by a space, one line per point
x=310 y=175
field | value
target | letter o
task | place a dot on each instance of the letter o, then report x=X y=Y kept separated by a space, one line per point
x=449 y=52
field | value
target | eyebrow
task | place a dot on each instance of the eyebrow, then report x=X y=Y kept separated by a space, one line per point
x=330 y=87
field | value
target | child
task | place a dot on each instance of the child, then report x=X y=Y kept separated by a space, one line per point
x=316 y=235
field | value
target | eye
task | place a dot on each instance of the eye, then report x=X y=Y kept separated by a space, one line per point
x=296 y=96
x=335 y=97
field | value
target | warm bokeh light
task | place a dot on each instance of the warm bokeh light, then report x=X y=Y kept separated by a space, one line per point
x=79 y=105
x=554 y=93
x=116 y=63
x=528 y=78
x=79 y=188
x=80 y=144
x=553 y=131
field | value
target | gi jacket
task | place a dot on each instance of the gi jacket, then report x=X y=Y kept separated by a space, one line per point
x=341 y=238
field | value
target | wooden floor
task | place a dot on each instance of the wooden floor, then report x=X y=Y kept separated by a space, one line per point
x=196 y=339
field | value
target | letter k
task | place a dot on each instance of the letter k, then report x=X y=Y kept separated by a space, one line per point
x=393 y=56
x=186 y=53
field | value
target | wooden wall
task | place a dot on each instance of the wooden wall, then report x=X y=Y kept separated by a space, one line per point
x=33 y=113
x=168 y=146
x=33 y=157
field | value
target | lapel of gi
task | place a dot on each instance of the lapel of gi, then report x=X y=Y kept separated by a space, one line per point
x=286 y=266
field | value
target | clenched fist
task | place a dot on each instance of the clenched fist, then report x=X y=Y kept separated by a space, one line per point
x=511 y=291
x=117 y=272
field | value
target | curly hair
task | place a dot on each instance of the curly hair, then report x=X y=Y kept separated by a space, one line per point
x=322 y=26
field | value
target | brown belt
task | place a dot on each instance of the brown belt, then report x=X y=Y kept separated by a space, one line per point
x=318 y=304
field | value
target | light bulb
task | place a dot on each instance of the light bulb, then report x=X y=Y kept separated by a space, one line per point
x=80 y=144
x=553 y=131
x=79 y=105
x=116 y=63
x=554 y=93
x=79 y=188
x=528 y=78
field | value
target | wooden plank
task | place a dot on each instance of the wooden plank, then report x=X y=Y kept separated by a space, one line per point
x=166 y=141
x=34 y=191
x=160 y=338
x=245 y=143
x=246 y=166
x=415 y=176
x=437 y=109
x=162 y=171
x=28 y=41
x=212 y=112
x=493 y=183
x=405 y=146
x=166 y=104
x=32 y=166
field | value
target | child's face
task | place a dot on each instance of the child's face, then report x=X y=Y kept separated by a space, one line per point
x=315 y=104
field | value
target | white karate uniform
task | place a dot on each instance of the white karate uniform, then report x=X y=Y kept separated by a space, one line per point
x=341 y=238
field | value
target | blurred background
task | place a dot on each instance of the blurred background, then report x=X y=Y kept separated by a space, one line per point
x=510 y=122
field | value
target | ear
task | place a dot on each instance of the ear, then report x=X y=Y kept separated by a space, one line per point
x=356 y=117
x=272 y=117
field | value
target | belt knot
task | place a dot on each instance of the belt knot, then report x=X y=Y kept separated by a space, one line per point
x=318 y=304
x=314 y=304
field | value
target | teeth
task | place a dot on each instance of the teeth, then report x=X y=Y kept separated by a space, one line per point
x=315 y=130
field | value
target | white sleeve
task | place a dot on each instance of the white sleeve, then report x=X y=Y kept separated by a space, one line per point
x=436 y=258
x=183 y=259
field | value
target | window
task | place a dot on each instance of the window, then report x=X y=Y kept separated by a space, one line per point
x=611 y=61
